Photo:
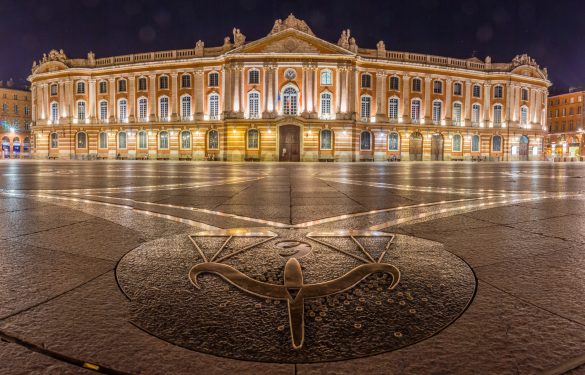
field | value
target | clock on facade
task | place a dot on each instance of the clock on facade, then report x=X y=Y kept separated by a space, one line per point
x=290 y=74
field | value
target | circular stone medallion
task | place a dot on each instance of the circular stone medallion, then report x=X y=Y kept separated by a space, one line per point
x=291 y=296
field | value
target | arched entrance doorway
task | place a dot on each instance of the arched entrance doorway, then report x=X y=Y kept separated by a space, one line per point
x=415 y=146
x=289 y=143
x=437 y=147
x=523 y=149
x=16 y=147
x=5 y=147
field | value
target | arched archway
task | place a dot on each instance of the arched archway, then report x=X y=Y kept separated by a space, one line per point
x=289 y=143
x=16 y=146
x=415 y=146
x=437 y=147
x=523 y=149
x=5 y=147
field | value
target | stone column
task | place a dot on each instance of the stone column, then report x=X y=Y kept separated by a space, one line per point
x=343 y=87
x=269 y=91
x=427 y=103
x=199 y=94
x=45 y=115
x=381 y=90
x=448 y=101
x=34 y=103
x=276 y=90
x=62 y=100
x=313 y=94
x=68 y=115
x=174 y=97
x=353 y=96
x=311 y=88
x=113 y=104
x=236 y=74
x=304 y=80
x=468 y=94
x=486 y=103
x=338 y=89
x=405 y=110
x=131 y=98
x=152 y=102
x=92 y=100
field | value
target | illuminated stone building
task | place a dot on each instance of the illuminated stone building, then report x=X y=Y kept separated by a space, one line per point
x=288 y=96
x=566 y=119
x=15 y=118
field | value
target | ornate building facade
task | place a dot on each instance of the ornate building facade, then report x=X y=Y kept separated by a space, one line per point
x=566 y=120
x=15 y=118
x=288 y=96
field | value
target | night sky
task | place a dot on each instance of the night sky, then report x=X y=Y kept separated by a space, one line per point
x=552 y=32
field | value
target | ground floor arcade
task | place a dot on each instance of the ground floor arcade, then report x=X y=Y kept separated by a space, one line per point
x=15 y=145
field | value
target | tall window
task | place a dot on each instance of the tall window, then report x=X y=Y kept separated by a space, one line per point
x=142 y=109
x=163 y=82
x=122 y=110
x=81 y=110
x=437 y=87
x=185 y=139
x=103 y=110
x=54 y=112
x=122 y=140
x=254 y=104
x=81 y=140
x=523 y=116
x=163 y=108
x=185 y=81
x=103 y=87
x=475 y=143
x=498 y=91
x=456 y=146
x=326 y=141
x=289 y=103
x=525 y=94
x=393 y=142
x=457 y=89
x=213 y=140
x=416 y=85
x=457 y=113
x=163 y=140
x=103 y=140
x=253 y=76
x=253 y=139
x=213 y=106
x=366 y=80
x=186 y=107
x=475 y=111
x=54 y=140
x=437 y=109
x=142 y=84
x=393 y=108
x=325 y=104
x=142 y=140
x=122 y=85
x=213 y=79
x=326 y=77
x=497 y=143
x=365 y=141
x=81 y=87
x=394 y=83
x=54 y=89
x=476 y=91
x=415 y=110
x=497 y=114
x=366 y=103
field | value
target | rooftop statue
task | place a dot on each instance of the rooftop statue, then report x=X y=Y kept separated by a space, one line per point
x=239 y=38
x=291 y=22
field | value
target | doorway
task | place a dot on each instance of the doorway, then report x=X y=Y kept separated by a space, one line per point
x=523 y=149
x=289 y=141
x=437 y=147
x=415 y=147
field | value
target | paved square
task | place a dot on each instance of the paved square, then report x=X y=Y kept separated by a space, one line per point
x=393 y=268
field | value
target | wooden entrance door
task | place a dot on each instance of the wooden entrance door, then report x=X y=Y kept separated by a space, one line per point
x=437 y=147
x=415 y=147
x=289 y=143
x=523 y=151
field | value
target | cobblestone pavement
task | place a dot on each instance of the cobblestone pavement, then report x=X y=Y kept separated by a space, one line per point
x=95 y=260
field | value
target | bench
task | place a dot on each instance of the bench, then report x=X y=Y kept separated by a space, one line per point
x=457 y=159
x=252 y=158
x=185 y=157
x=393 y=158
x=327 y=159
x=366 y=159
x=53 y=157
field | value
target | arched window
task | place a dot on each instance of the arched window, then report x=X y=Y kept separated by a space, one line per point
x=103 y=87
x=81 y=110
x=437 y=87
x=163 y=82
x=103 y=110
x=81 y=140
x=497 y=118
x=290 y=101
x=475 y=144
x=80 y=87
x=186 y=81
x=214 y=106
x=393 y=141
x=253 y=76
x=54 y=140
x=476 y=91
x=393 y=109
x=366 y=104
x=325 y=104
x=213 y=79
x=498 y=91
x=456 y=146
x=163 y=140
x=394 y=83
x=326 y=141
x=54 y=89
x=416 y=85
x=415 y=110
x=437 y=109
x=121 y=85
x=186 y=107
x=365 y=141
x=475 y=111
x=103 y=140
x=142 y=140
x=366 y=80
x=185 y=140
x=525 y=94
x=142 y=109
x=523 y=116
x=497 y=143
x=142 y=84
x=163 y=108
x=254 y=104
x=457 y=113
x=122 y=140
x=122 y=110
x=457 y=89
x=54 y=112
x=326 y=77
x=253 y=139
x=213 y=140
